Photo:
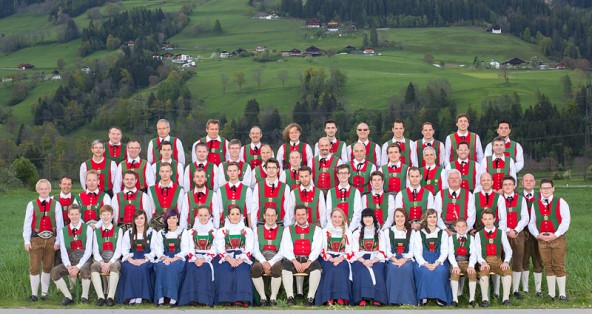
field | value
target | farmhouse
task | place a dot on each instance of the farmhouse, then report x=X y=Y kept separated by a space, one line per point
x=26 y=66
x=292 y=53
x=514 y=62
x=332 y=26
x=224 y=54
x=496 y=29
x=313 y=23
x=312 y=51
x=368 y=51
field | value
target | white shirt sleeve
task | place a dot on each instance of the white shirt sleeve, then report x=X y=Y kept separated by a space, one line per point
x=565 y=218
x=82 y=175
x=27 y=224
x=115 y=179
x=181 y=151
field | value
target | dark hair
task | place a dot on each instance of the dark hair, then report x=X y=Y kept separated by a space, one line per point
x=504 y=121
x=133 y=236
x=546 y=180
x=424 y=218
x=509 y=178
x=369 y=212
x=391 y=145
x=170 y=213
x=273 y=161
x=407 y=224
x=399 y=121
x=377 y=173
x=463 y=115
x=330 y=121
x=66 y=177
x=305 y=168
x=463 y=143
x=163 y=143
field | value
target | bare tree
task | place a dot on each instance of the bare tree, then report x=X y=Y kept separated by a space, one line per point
x=224 y=80
x=283 y=76
x=239 y=79
x=258 y=76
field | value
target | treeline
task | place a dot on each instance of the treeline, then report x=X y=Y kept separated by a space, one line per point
x=154 y=25
x=73 y=7
x=9 y=7
x=563 y=31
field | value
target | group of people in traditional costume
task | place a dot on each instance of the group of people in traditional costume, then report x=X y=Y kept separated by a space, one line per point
x=400 y=224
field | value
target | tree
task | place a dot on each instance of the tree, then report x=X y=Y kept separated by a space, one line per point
x=283 y=76
x=258 y=76
x=251 y=113
x=567 y=86
x=60 y=64
x=239 y=80
x=217 y=27
x=70 y=32
x=373 y=37
x=113 y=42
x=224 y=80
x=26 y=171
x=365 y=42
x=503 y=73
x=429 y=58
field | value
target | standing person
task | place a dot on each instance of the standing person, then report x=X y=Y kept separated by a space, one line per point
x=361 y=169
x=271 y=192
x=106 y=253
x=345 y=197
x=514 y=220
x=300 y=247
x=65 y=197
x=163 y=130
x=198 y=285
x=290 y=175
x=197 y=197
x=463 y=135
x=367 y=269
x=427 y=130
x=234 y=244
x=115 y=149
x=512 y=149
x=137 y=269
x=107 y=169
x=244 y=174
x=431 y=173
x=335 y=285
x=408 y=147
x=400 y=284
x=43 y=219
x=336 y=147
x=260 y=173
x=531 y=245
x=382 y=203
x=171 y=247
x=217 y=147
x=292 y=143
x=489 y=244
x=76 y=242
x=430 y=250
x=128 y=201
x=92 y=199
x=486 y=198
x=550 y=219
x=166 y=153
x=499 y=165
x=233 y=192
x=201 y=161
x=138 y=165
x=462 y=258
x=311 y=197
x=414 y=199
x=453 y=203
x=167 y=195
x=267 y=257
x=324 y=165
x=251 y=153
x=372 y=149
x=394 y=170
x=470 y=170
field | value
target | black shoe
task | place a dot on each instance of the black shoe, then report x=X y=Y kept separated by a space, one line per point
x=272 y=303
x=110 y=302
x=264 y=302
x=485 y=303
x=300 y=296
x=84 y=300
x=473 y=304
x=310 y=302
x=507 y=303
x=33 y=298
x=454 y=304
x=100 y=302
x=518 y=296
x=66 y=301
x=540 y=294
x=43 y=297
x=552 y=298
x=290 y=301
x=562 y=298
x=496 y=296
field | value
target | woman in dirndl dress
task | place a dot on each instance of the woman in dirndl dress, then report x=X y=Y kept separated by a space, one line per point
x=171 y=248
x=136 y=282
x=432 y=271
x=400 y=284
x=234 y=244
x=198 y=286
x=368 y=247
x=335 y=285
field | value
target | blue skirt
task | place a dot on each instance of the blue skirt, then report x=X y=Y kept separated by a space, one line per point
x=198 y=285
x=335 y=283
x=363 y=288
x=135 y=282
x=168 y=279
x=433 y=284
x=233 y=284
x=400 y=285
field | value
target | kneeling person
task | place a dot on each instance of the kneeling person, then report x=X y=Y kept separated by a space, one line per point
x=267 y=258
x=106 y=252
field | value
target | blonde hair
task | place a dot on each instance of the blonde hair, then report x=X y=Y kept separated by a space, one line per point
x=343 y=225
x=42 y=181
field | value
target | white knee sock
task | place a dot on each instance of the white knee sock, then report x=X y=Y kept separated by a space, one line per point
x=525 y=281
x=561 y=282
x=484 y=283
x=454 y=288
x=472 y=288
x=506 y=283
x=551 y=285
x=314 y=278
x=45 y=281
x=61 y=284
x=538 y=281
x=34 y=279
x=98 y=284
x=276 y=284
x=516 y=276
x=288 y=280
x=85 y=288
x=113 y=280
x=260 y=287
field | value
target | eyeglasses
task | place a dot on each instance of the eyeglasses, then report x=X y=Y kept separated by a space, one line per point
x=546 y=187
x=362 y=130
x=271 y=168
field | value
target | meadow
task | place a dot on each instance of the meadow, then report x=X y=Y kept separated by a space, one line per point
x=14 y=283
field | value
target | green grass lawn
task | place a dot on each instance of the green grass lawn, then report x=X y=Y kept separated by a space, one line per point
x=15 y=281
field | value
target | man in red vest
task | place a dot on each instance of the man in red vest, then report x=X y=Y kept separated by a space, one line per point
x=453 y=203
x=463 y=135
x=310 y=196
x=498 y=164
x=271 y=192
x=300 y=247
x=346 y=197
x=245 y=174
x=361 y=169
x=470 y=170
x=199 y=196
x=292 y=143
x=106 y=168
x=324 y=165
x=290 y=175
x=167 y=195
x=550 y=219
x=408 y=148
x=115 y=150
x=91 y=200
x=431 y=173
x=251 y=153
x=166 y=155
x=138 y=165
x=267 y=257
x=372 y=149
x=395 y=171
x=414 y=199
x=217 y=146
x=427 y=130
x=260 y=173
x=531 y=250
x=512 y=149
x=336 y=147
x=201 y=161
x=65 y=197
x=130 y=199
x=381 y=202
x=163 y=129
x=234 y=192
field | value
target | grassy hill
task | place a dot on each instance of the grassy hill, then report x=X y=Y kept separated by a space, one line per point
x=371 y=80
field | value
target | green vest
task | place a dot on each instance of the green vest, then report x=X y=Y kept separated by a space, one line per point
x=308 y=236
x=174 y=175
x=203 y=242
x=209 y=175
x=136 y=203
x=416 y=208
x=265 y=244
x=193 y=205
x=396 y=243
x=458 y=246
x=344 y=205
x=318 y=170
x=171 y=245
x=494 y=197
x=487 y=245
x=73 y=243
x=312 y=206
x=472 y=146
x=156 y=150
x=236 y=241
x=419 y=151
x=105 y=174
x=158 y=208
x=360 y=179
x=433 y=184
x=139 y=172
x=37 y=224
x=462 y=201
x=468 y=180
x=405 y=155
x=548 y=221
x=278 y=200
x=431 y=244
x=382 y=207
x=109 y=153
x=102 y=242
x=289 y=180
x=226 y=201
